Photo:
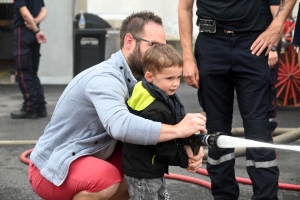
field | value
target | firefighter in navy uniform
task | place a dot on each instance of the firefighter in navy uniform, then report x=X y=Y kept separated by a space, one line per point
x=296 y=39
x=230 y=53
x=27 y=39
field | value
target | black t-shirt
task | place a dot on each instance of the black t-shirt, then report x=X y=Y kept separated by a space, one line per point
x=266 y=9
x=296 y=40
x=234 y=15
x=34 y=7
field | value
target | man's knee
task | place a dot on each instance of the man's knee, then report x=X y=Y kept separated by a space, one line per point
x=122 y=192
x=103 y=194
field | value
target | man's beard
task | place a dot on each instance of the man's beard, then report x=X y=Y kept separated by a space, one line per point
x=135 y=62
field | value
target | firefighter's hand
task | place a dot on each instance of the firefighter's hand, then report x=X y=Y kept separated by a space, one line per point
x=195 y=162
x=40 y=37
x=266 y=40
x=191 y=73
x=272 y=59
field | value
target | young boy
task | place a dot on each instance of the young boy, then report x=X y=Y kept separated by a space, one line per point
x=154 y=98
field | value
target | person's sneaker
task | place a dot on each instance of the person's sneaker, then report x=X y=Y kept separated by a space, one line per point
x=20 y=114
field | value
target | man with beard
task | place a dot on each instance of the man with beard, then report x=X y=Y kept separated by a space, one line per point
x=79 y=154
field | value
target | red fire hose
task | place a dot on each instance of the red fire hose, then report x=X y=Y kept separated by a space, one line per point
x=206 y=184
x=285 y=186
x=23 y=156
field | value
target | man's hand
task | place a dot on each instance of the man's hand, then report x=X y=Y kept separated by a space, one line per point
x=272 y=59
x=40 y=37
x=191 y=124
x=195 y=162
x=191 y=73
x=266 y=40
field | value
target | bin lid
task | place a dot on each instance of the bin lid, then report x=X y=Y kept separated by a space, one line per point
x=93 y=21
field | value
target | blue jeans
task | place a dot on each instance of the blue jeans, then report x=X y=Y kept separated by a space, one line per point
x=147 y=189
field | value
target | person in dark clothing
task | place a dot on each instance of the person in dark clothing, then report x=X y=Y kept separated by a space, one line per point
x=269 y=9
x=296 y=39
x=27 y=40
x=231 y=55
x=154 y=98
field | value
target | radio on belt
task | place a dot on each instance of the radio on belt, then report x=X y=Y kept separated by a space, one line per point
x=207 y=25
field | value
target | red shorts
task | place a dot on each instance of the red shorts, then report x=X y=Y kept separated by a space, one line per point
x=86 y=173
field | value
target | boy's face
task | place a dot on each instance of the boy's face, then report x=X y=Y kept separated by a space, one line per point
x=168 y=80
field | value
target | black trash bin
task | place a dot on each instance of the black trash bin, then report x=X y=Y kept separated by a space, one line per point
x=89 y=43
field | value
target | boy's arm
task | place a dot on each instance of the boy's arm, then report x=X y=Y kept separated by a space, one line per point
x=167 y=152
x=171 y=154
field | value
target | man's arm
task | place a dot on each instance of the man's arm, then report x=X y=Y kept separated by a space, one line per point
x=28 y=18
x=273 y=55
x=274 y=9
x=185 y=16
x=270 y=36
x=41 y=16
x=190 y=124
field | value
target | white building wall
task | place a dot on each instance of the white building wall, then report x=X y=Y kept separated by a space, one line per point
x=114 y=11
x=56 y=63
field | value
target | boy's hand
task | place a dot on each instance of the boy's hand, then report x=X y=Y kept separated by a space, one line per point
x=195 y=162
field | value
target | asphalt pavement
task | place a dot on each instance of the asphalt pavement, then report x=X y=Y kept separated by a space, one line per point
x=13 y=175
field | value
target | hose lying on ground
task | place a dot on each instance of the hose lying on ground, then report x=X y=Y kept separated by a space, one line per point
x=285 y=186
x=282 y=138
x=189 y=179
x=284 y=135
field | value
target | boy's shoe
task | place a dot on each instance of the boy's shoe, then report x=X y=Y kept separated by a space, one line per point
x=21 y=114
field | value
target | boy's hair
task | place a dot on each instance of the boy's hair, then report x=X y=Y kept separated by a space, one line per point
x=135 y=23
x=160 y=56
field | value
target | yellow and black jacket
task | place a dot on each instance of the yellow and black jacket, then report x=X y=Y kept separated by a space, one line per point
x=152 y=161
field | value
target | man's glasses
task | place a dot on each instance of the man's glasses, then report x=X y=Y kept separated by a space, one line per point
x=148 y=41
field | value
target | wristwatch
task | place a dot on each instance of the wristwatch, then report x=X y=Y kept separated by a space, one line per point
x=274 y=48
